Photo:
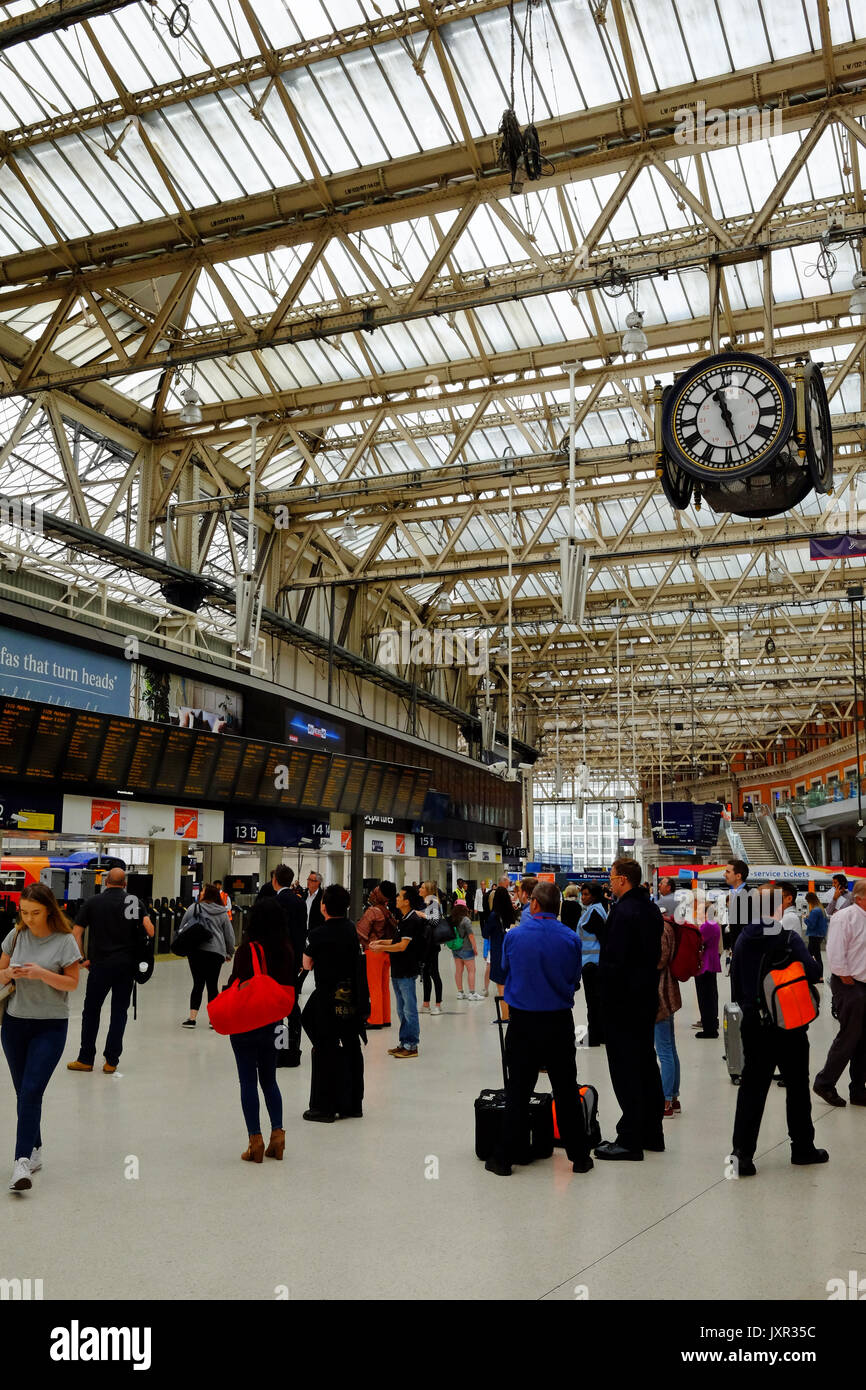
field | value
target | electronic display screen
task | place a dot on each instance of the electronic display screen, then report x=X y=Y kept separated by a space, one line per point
x=403 y=800
x=146 y=758
x=252 y=767
x=388 y=791
x=175 y=757
x=350 y=801
x=306 y=729
x=334 y=782
x=116 y=752
x=52 y=733
x=372 y=786
x=231 y=751
x=16 y=721
x=276 y=777
x=82 y=755
x=199 y=774
x=317 y=777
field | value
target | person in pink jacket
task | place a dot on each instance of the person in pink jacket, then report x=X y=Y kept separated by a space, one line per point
x=707 y=984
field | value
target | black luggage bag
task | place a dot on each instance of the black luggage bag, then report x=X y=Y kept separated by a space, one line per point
x=490 y=1116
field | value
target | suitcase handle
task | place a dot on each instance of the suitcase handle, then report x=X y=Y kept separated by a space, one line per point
x=499 y=1022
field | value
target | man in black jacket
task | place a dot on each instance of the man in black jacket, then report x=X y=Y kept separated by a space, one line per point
x=628 y=980
x=335 y=1012
x=296 y=923
x=313 y=900
x=766 y=1046
x=114 y=919
x=744 y=903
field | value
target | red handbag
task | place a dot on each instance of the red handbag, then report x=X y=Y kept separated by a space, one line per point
x=249 y=1004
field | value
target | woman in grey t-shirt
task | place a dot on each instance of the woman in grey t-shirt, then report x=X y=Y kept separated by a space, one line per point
x=40 y=957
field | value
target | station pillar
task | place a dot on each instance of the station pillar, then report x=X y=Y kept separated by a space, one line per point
x=165 y=864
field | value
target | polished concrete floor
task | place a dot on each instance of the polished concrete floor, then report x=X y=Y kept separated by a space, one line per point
x=396 y=1205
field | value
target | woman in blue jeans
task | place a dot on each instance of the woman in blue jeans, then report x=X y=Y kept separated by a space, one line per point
x=40 y=958
x=666 y=1044
x=256 y=1051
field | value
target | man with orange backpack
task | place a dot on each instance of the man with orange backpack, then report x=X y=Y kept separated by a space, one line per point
x=772 y=979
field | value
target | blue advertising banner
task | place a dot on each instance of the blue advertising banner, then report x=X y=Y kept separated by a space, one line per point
x=33 y=667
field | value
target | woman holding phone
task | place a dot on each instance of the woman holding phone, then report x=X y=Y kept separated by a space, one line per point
x=41 y=958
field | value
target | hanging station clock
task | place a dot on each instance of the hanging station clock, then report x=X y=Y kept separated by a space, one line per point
x=817 y=428
x=728 y=416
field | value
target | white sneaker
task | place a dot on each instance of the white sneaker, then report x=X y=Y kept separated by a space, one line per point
x=36 y=1160
x=436 y=1010
x=20 y=1180
x=476 y=998
x=461 y=995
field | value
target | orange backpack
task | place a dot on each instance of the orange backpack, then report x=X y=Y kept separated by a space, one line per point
x=786 y=997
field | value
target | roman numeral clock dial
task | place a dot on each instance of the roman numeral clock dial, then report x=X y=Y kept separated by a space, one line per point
x=727 y=416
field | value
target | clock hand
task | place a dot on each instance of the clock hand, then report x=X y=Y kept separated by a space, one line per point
x=726 y=414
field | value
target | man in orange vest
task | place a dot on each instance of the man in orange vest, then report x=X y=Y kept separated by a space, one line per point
x=224 y=897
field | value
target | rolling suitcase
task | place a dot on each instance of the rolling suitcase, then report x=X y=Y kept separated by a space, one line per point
x=490 y=1115
x=732 y=1023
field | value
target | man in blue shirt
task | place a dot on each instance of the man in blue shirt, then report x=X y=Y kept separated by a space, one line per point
x=541 y=962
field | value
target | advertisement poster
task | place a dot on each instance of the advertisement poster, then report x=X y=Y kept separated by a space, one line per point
x=194 y=705
x=309 y=730
x=346 y=840
x=108 y=817
x=185 y=824
x=33 y=667
x=401 y=844
x=29 y=811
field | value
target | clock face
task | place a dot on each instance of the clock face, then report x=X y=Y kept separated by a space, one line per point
x=728 y=416
x=819 y=431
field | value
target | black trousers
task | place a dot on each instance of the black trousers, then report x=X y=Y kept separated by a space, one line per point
x=634 y=1069
x=848 y=1048
x=103 y=980
x=534 y=1040
x=707 y=988
x=205 y=967
x=594 y=1012
x=430 y=976
x=814 y=944
x=764 y=1048
x=337 y=1062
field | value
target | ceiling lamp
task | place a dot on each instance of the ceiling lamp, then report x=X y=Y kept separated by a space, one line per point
x=191 y=412
x=858 y=298
x=349 y=535
x=634 y=339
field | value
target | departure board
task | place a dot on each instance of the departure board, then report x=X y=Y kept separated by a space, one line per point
x=146 y=758
x=350 y=801
x=255 y=756
x=205 y=751
x=231 y=752
x=116 y=752
x=372 y=783
x=388 y=791
x=419 y=794
x=16 y=721
x=111 y=754
x=405 y=789
x=171 y=778
x=276 y=780
x=314 y=790
x=337 y=773
x=85 y=747
x=52 y=733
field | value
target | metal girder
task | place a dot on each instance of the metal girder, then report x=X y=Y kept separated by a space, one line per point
x=243 y=72
x=338 y=400
x=583 y=145
x=47 y=19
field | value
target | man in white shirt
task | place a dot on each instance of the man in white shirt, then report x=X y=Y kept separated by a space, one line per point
x=846 y=957
x=313 y=900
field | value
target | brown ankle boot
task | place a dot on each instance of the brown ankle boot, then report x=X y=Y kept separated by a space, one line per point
x=277 y=1144
x=256 y=1151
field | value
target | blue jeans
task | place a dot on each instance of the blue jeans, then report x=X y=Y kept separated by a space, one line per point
x=33 y=1047
x=256 y=1061
x=666 y=1048
x=406 y=992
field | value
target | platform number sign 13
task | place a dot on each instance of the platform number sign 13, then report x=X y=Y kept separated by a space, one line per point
x=247 y=832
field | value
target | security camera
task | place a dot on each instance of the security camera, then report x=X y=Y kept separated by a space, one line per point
x=156 y=829
x=524 y=767
x=499 y=769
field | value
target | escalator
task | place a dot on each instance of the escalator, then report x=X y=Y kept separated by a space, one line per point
x=792 y=837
